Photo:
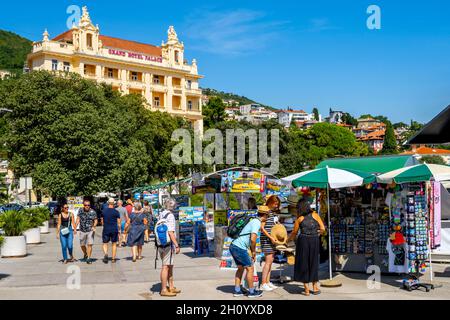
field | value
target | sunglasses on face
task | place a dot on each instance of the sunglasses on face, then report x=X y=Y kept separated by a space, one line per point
x=66 y=208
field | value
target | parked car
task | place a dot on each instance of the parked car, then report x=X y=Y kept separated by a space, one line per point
x=11 y=207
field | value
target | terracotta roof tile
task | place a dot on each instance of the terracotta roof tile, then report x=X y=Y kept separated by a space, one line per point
x=428 y=151
x=116 y=43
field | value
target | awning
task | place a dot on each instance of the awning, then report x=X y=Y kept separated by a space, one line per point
x=375 y=165
x=437 y=131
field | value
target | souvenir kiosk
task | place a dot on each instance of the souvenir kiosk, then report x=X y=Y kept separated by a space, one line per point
x=241 y=182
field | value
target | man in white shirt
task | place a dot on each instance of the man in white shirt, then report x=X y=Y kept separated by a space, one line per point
x=168 y=253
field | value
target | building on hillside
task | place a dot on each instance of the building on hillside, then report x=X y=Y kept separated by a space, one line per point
x=335 y=116
x=365 y=123
x=422 y=150
x=232 y=113
x=374 y=140
x=286 y=117
x=159 y=73
x=249 y=108
x=4 y=74
x=346 y=126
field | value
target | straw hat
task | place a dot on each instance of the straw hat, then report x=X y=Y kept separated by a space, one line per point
x=263 y=209
x=279 y=232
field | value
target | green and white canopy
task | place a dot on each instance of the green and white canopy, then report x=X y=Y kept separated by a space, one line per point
x=417 y=173
x=329 y=177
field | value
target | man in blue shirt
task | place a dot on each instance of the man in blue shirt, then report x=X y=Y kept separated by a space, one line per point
x=239 y=250
x=111 y=226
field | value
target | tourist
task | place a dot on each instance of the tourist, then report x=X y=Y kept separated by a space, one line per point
x=251 y=204
x=87 y=222
x=306 y=269
x=268 y=242
x=167 y=253
x=239 y=250
x=111 y=227
x=129 y=206
x=123 y=222
x=137 y=224
x=64 y=232
x=148 y=211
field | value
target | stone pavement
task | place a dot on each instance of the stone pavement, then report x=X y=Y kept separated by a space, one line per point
x=40 y=275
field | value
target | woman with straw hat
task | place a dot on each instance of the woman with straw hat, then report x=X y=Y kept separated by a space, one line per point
x=268 y=243
x=306 y=269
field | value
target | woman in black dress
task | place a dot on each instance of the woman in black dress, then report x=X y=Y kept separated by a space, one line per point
x=306 y=268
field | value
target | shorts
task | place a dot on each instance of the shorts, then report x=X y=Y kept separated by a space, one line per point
x=241 y=256
x=122 y=226
x=110 y=236
x=87 y=238
x=167 y=255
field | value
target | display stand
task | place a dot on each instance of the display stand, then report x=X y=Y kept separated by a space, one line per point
x=201 y=246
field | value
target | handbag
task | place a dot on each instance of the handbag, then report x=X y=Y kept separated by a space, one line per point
x=65 y=231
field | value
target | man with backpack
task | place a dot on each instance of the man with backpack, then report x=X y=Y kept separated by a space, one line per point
x=244 y=231
x=167 y=244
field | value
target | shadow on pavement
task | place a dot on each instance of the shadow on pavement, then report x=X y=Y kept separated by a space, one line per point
x=156 y=288
x=226 y=289
x=192 y=255
x=293 y=288
x=3 y=276
x=446 y=273
x=390 y=280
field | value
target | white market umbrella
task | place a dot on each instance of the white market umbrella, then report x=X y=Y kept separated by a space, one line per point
x=417 y=173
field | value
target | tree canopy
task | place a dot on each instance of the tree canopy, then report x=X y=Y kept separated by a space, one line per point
x=78 y=137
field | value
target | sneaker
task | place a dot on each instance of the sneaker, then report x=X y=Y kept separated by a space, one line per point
x=85 y=257
x=274 y=287
x=105 y=259
x=255 y=294
x=266 y=287
x=238 y=294
x=244 y=290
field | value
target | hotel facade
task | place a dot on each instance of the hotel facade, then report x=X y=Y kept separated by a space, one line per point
x=159 y=73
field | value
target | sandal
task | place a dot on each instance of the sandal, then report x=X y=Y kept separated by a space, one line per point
x=140 y=258
x=306 y=294
x=316 y=293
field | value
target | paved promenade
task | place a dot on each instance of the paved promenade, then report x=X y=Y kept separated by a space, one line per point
x=41 y=276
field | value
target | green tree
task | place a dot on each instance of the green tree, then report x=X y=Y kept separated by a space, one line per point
x=13 y=51
x=316 y=114
x=400 y=125
x=349 y=120
x=78 y=137
x=214 y=112
x=433 y=160
x=390 y=142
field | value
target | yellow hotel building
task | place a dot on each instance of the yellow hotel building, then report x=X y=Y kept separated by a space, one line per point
x=160 y=74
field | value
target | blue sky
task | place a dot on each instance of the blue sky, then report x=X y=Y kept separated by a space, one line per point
x=287 y=53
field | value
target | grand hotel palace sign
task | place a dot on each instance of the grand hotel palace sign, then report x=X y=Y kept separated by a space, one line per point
x=133 y=55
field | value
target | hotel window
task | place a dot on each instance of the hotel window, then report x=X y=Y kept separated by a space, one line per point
x=89 y=41
x=189 y=105
x=189 y=84
x=66 y=67
x=156 y=79
x=177 y=56
x=134 y=76
x=54 y=65
x=156 y=101
x=110 y=73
